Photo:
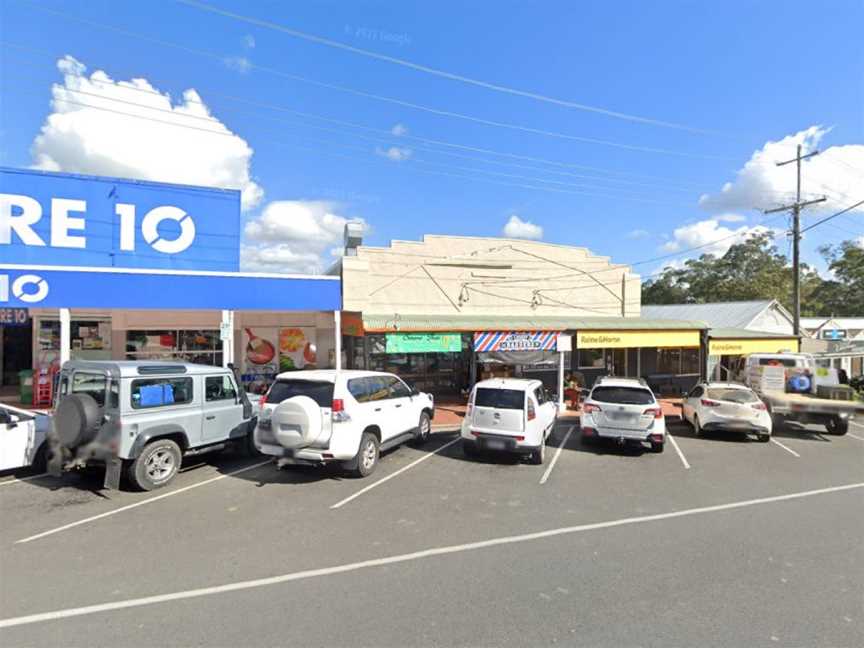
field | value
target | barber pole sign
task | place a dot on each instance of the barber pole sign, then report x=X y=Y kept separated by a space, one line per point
x=515 y=341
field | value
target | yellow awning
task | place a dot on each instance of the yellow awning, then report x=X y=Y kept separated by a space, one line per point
x=636 y=339
x=744 y=346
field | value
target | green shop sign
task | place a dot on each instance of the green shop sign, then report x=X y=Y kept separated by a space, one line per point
x=424 y=342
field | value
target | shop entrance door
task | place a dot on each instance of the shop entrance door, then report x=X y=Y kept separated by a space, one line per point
x=17 y=351
x=616 y=362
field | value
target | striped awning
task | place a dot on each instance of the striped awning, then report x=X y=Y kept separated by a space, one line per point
x=515 y=341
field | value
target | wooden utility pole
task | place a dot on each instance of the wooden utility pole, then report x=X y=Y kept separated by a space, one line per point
x=796 y=236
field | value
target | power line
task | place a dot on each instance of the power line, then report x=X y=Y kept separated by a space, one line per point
x=835 y=215
x=421 y=170
x=377 y=97
x=388 y=133
x=437 y=72
x=215 y=121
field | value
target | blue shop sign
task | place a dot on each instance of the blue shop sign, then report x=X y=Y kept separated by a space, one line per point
x=70 y=287
x=75 y=220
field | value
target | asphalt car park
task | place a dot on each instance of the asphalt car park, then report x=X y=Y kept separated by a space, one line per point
x=726 y=541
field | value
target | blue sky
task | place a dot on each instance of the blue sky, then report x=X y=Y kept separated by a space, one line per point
x=748 y=72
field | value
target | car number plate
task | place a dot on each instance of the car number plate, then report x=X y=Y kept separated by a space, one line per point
x=495 y=444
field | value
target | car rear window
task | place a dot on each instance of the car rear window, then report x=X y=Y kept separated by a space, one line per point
x=732 y=395
x=320 y=391
x=500 y=398
x=623 y=395
x=777 y=362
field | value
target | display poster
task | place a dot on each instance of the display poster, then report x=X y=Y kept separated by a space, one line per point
x=297 y=348
x=260 y=358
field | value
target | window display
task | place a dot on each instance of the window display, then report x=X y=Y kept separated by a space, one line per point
x=198 y=346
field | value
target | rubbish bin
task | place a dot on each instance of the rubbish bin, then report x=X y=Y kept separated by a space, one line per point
x=25 y=385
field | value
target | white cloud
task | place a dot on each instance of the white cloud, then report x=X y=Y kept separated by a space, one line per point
x=92 y=139
x=715 y=238
x=517 y=228
x=282 y=258
x=395 y=153
x=637 y=234
x=249 y=41
x=239 y=64
x=731 y=218
x=761 y=184
x=292 y=236
x=399 y=129
x=860 y=242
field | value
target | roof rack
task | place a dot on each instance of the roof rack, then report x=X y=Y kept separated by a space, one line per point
x=150 y=370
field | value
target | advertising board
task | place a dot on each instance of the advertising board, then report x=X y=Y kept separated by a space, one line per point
x=76 y=220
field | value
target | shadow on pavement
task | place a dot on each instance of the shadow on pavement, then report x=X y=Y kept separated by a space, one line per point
x=792 y=430
x=684 y=431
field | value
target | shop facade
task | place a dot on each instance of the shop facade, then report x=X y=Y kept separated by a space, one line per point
x=147 y=271
x=517 y=308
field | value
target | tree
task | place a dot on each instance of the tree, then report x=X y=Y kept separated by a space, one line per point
x=752 y=269
x=844 y=294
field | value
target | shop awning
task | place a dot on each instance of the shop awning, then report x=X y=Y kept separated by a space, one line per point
x=389 y=322
x=743 y=341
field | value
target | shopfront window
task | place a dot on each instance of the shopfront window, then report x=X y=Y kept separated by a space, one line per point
x=591 y=358
x=90 y=340
x=198 y=346
x=426 y=371
x=678 y=361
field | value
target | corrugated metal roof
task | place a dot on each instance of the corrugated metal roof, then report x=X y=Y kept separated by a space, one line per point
x=718 y=315
x=745 y=334
x=391 y=322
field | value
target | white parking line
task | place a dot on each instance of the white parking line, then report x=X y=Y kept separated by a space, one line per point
x=137 y=504
x=392 y=475
x=401 y=558
x=18 y=480
x=787 y=449
x=557 y=454
x=678 y=450
x=855 y=436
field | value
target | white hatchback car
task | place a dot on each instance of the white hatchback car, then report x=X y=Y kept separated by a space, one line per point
x=318 y=417
x=623 y=409
x=511 y=415
x=730 y=407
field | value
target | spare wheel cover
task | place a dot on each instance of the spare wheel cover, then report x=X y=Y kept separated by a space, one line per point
x=76 y=419
x=297 y=422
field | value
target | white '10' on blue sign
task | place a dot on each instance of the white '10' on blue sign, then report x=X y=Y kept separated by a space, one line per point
x=19 y=214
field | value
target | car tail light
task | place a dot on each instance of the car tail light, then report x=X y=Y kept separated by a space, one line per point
x=263 y=400
x=655 y=411
x=520 y=438
x=707 y=402
x=587 y=408
x=475 y=433
x=531 y=413
x=760 y=406
x=338 y=413
x=656 y=438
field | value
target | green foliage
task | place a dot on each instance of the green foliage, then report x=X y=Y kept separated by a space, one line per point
x=754 y=269
x=844 y=295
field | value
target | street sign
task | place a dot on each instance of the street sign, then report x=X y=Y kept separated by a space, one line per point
x=834 y=334
x=77 y=220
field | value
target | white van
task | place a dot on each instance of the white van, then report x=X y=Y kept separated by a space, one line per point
x=511 y=415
